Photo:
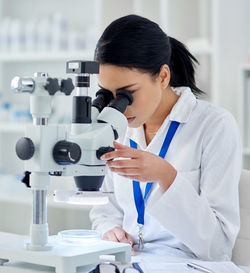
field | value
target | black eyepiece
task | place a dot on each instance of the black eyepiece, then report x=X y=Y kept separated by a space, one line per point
x=103 y=98
x=123 y=99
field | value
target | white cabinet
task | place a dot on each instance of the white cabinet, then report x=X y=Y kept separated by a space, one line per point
x=244 y=112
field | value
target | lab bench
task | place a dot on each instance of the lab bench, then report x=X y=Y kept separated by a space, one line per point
x=18 y=267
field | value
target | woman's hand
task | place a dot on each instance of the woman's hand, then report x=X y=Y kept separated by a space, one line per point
x=140 y=166
x=117 y=234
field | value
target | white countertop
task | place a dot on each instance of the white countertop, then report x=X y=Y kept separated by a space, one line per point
x=19 y=267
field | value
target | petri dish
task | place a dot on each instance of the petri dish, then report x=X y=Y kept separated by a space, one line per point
x=79 y=236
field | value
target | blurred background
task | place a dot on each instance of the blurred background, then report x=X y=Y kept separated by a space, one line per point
x=43 y=35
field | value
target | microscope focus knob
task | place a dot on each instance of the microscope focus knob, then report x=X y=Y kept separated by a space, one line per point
x=65 y=152
x=103 y=150
x=52 y=86
x=67 y=86
x=25 y=148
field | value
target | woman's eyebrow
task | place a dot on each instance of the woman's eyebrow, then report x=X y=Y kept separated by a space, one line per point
x=123 y=87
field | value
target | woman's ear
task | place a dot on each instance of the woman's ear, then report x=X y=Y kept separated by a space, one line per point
x=164 y=76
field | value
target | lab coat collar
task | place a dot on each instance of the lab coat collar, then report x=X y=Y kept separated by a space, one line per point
x=180 y=112
x=183 y=108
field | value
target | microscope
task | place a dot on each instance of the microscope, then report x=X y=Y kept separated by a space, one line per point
x=67 y=150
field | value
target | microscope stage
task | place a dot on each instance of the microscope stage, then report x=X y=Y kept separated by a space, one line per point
x=64 y=257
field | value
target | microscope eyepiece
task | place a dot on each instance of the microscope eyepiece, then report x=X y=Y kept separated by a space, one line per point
x=123 y=99
x=103 y=98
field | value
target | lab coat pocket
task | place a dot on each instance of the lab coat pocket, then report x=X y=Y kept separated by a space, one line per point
x=193 y=177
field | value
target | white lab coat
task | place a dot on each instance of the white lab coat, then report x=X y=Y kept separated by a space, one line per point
x=198 y=216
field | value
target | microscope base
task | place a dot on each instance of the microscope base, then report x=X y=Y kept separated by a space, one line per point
x=64 y=258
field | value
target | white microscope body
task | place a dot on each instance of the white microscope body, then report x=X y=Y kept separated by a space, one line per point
x=68 y=150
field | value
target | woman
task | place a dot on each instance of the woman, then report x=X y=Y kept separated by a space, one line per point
x=189 y=148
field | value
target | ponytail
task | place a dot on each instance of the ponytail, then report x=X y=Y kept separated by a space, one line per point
x=135 y=42
x=182 y=64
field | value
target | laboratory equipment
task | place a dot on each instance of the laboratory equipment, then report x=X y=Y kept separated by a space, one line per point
x=67 y=150
x=79 y=236
x=109 y=267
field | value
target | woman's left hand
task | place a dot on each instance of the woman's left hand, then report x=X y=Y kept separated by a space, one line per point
x=140 y=165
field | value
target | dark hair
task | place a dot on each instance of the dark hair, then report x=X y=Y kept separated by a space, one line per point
x=135 y=42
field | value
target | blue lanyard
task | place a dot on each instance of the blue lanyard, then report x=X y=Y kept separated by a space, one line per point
x=138 y=198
